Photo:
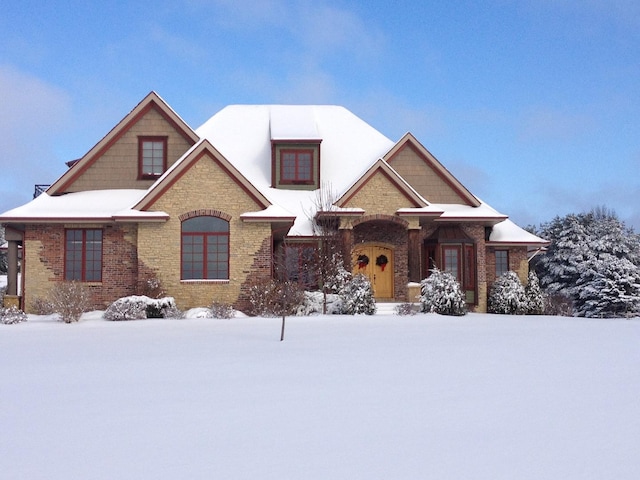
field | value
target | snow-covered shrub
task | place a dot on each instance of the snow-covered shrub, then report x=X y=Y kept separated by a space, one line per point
x=222 y=310
x=340 y=277
x=534 y=295
x=70 y=300
x=138 y=307
x=42 y=306
x=405 y=309
x=12 y=315
x=314 y=301
x=441 y=293
x=507 y=295
x=357 y=296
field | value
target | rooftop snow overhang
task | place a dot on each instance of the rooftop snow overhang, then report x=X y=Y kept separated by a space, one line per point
x=93 y=206
x=271 y=214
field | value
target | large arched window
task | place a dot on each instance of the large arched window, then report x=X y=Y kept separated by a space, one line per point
x=205 y=248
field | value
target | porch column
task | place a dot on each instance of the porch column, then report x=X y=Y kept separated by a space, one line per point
x=12 y=270
x=414 y=255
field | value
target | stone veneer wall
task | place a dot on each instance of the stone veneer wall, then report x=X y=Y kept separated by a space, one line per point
x=44 y=262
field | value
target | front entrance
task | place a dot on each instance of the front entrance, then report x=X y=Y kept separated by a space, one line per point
x=376 y=262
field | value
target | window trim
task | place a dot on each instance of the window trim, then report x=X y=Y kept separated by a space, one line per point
x=297 y=180
x=83 y=254
x=141 y=141
x=205 y=235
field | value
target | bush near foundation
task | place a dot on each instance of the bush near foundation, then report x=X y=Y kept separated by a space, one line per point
x=12 y=315
x=70 y=300
x=441 y=293
x=139 y=307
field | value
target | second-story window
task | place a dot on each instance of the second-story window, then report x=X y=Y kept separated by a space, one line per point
x=152 y=157
x=296 y=166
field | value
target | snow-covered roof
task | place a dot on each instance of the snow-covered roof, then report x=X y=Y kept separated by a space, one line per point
x=92 y=205
x=243 y=134
x=241 y=137
x=507 y=232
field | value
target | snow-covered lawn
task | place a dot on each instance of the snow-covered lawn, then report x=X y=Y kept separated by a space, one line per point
x=382 y=397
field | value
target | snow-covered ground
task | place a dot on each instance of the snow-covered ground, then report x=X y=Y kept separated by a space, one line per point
x=382 y=397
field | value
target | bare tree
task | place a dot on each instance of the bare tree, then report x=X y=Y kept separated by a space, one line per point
x=328 y=264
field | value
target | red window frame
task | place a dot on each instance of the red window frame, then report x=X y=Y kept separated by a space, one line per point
x=158 y=162
x=204 y=254
x=296 y=173
x=83 y=254
x=447 y=251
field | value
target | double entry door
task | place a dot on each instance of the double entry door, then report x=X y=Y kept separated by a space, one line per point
x=376 y=262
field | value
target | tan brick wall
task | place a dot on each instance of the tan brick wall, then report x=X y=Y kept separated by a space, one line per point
x=118 y=166
x=379 y=196
x=203 y=186
x=423 y=178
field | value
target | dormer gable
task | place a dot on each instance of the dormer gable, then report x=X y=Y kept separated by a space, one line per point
x=295 y=148
x=138 y=150
x=426 y=174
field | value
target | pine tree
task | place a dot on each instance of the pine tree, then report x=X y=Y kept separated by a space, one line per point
x=591 y=256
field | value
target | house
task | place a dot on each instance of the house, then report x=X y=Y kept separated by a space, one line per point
x=206 y=211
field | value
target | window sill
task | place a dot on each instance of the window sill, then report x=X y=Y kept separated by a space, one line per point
x=223 y=281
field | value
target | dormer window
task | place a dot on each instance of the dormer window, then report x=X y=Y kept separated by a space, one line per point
x=296 y=165
x=152 y=157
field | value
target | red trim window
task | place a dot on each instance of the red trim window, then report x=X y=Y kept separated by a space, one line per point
x=152 y=157
x=502 y=262
x=296 y=166
x=451 y=261
x=83 y=255
x=205 y=249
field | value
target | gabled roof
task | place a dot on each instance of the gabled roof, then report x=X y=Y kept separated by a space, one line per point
x=152 y=100
x=409 y=140
x=183 y=164
x=382 y=167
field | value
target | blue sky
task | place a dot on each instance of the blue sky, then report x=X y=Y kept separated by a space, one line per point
x=533 y=105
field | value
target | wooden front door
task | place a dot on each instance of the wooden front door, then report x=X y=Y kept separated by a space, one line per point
x=375 y=262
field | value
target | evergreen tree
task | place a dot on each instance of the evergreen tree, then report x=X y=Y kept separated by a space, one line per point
x=533 y=294
x=357 y=296
x=591 y=256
